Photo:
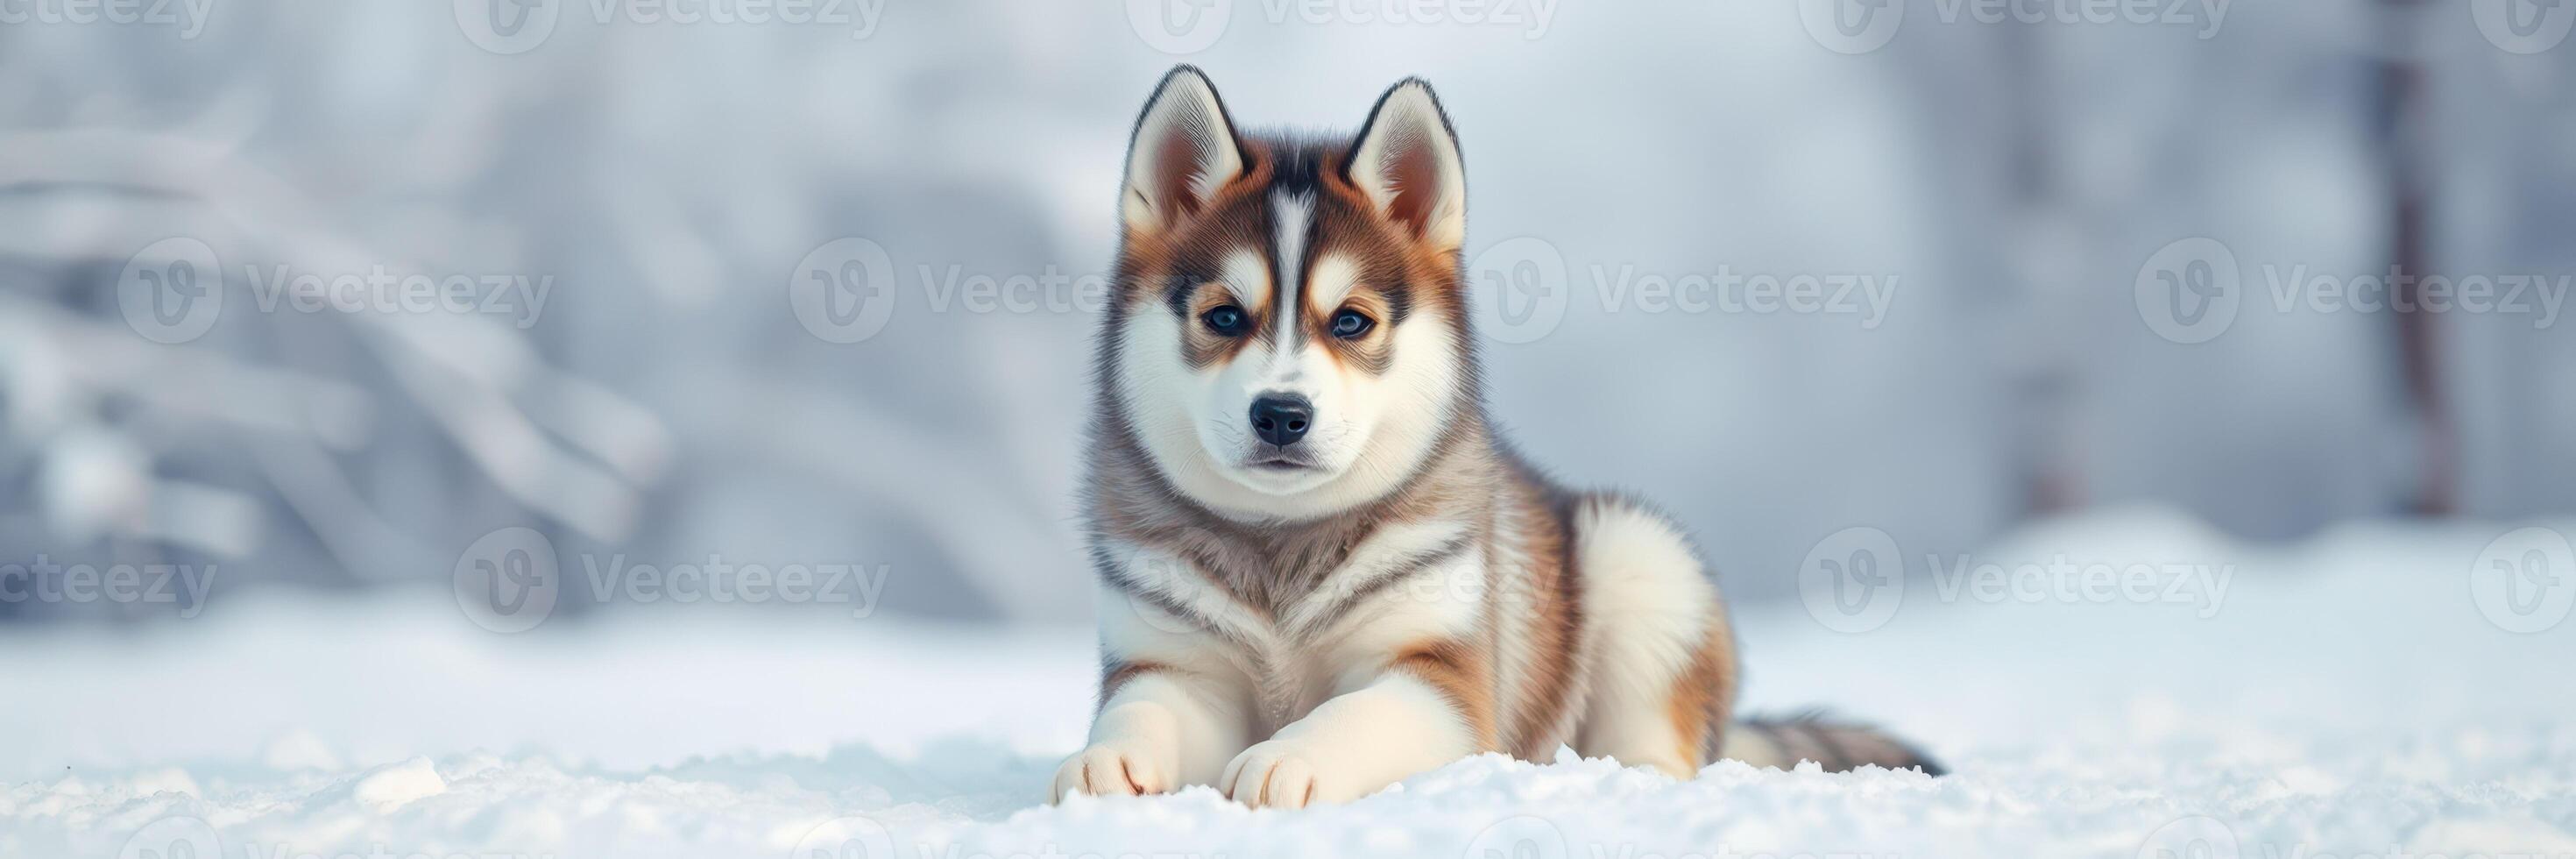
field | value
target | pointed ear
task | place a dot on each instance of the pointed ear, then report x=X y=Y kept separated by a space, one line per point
x=1183 y=151
x=1406 y=160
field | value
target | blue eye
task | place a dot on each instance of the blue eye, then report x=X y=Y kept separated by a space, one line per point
x=1351 y=323
x=1227 y=320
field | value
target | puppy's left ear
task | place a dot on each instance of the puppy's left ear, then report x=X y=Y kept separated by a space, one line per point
x=1406 y=160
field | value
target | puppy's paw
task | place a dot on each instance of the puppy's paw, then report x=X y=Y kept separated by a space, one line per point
x=1280 y=774
x=1115 y=769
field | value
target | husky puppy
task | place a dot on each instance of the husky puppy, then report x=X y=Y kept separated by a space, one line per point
x=1320 y=571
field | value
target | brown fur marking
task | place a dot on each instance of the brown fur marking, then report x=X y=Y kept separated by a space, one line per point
x=1704 y=695
x=1552 y=596
x=1463 y=673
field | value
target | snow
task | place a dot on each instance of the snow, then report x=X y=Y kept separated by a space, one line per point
x=2342 y=697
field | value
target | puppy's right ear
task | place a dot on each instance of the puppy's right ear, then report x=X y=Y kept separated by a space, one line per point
x=1184 y=150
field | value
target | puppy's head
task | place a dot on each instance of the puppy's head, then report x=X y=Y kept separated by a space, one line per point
x=1289 y=336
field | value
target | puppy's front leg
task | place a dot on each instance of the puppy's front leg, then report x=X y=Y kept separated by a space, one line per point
x=1173 y=707
x=1422 y=710
x=1162 y=728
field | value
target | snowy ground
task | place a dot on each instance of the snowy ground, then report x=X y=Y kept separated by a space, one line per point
x=2345 y=697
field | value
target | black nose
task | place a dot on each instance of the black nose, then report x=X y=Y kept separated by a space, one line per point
x=1282 y=420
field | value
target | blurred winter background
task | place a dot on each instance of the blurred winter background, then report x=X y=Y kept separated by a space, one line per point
x=336 y=338
x=646 y=190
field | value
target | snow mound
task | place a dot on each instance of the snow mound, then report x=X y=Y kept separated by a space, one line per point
x=2345 y=698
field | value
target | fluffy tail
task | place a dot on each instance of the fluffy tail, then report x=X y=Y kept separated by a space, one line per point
x=1837 y=746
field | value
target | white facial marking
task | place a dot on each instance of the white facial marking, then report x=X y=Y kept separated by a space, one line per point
x=1291 y=216
x=1335 y=275
x=1248 y=279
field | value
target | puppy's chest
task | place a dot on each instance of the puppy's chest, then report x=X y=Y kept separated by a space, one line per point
x=1328 y=627
x=1312 y=598
x=1291 y=612
x=1306 y=653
